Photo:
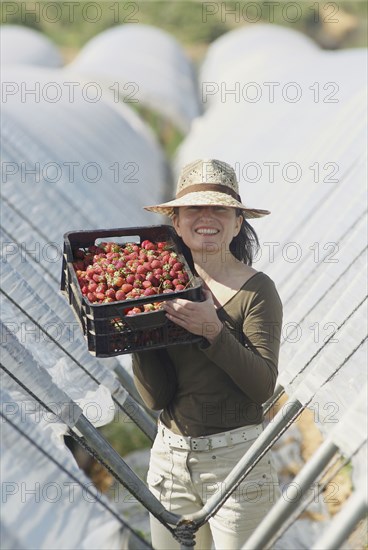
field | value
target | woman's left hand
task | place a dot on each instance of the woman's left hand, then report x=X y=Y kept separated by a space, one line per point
x=196 y=317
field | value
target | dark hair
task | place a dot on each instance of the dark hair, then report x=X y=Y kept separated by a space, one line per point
x=244 y=246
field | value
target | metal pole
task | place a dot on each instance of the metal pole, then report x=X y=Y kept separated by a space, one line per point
x=283 y=508
x=184 y=530
x=131 y=481
x=135 y=543
x=272 y=432
x=279 y=391
x=344 y=522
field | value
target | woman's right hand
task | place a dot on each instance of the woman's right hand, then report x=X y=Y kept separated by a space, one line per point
x=197 y=317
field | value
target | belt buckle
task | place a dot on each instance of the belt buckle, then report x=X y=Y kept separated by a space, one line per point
x=197 y=441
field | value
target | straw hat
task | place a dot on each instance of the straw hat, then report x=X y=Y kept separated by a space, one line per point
x=207 y=182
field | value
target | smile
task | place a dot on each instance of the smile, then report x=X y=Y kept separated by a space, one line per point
x=206 y=231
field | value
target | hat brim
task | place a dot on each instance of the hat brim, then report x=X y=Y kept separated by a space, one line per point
x=206 y=198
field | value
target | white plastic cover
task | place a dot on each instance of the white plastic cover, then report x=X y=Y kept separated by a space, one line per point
x=146 y=65
x=44 y=506
x=95 y=160
x=25 y=46
x=257 y=46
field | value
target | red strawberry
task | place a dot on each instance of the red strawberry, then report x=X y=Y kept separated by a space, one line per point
x=79 y=265
x=110 y=293
x=149 y=292
x=120 y=295
x=78 y=254
x=134 y=311
x=153 y=279
x=102 y=287
x=126 y=288
x=118 y=281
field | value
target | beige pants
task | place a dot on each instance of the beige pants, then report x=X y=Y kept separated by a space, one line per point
x=184 y=480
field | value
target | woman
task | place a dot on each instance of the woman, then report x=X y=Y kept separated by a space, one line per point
x=211 y=392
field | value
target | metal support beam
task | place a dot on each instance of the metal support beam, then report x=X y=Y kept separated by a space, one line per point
x=344 y=522
x=272 y=523
x=131 y=481
x=273 y=431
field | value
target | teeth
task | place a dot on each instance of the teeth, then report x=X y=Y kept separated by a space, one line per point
x=207 y=231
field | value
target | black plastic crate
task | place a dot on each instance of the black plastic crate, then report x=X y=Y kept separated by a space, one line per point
x=107 y=329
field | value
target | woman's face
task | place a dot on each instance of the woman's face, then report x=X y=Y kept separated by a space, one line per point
x=207 y=227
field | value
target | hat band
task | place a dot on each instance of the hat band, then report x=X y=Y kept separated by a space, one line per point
x=208 y=187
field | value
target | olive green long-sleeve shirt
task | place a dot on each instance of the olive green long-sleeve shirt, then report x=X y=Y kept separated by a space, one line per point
x=208 y=388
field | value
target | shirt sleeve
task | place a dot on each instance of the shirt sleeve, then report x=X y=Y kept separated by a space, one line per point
x=251 y=359
x=154 y=377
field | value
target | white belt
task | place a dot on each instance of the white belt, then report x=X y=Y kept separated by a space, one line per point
x=225 y=439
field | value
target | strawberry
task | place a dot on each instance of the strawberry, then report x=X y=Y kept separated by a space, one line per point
x=118 y=281
x=149 y=292
x=102 y=287
x=78 y=254
x=79 y=265
x=134 y=311
x=120 y=295
x=111 y=272
x=126 y=288
x=152 y=279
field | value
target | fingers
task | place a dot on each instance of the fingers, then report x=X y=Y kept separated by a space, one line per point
x=178 y=305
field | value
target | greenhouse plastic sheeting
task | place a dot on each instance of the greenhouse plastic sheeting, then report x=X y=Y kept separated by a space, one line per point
x=259 y=44
x=88 y=171
x=53 y=510
x=20 y=363
x=352 y=430
x=25 y=46
x=146 y=65
x=305 y=335
x=62 y=351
